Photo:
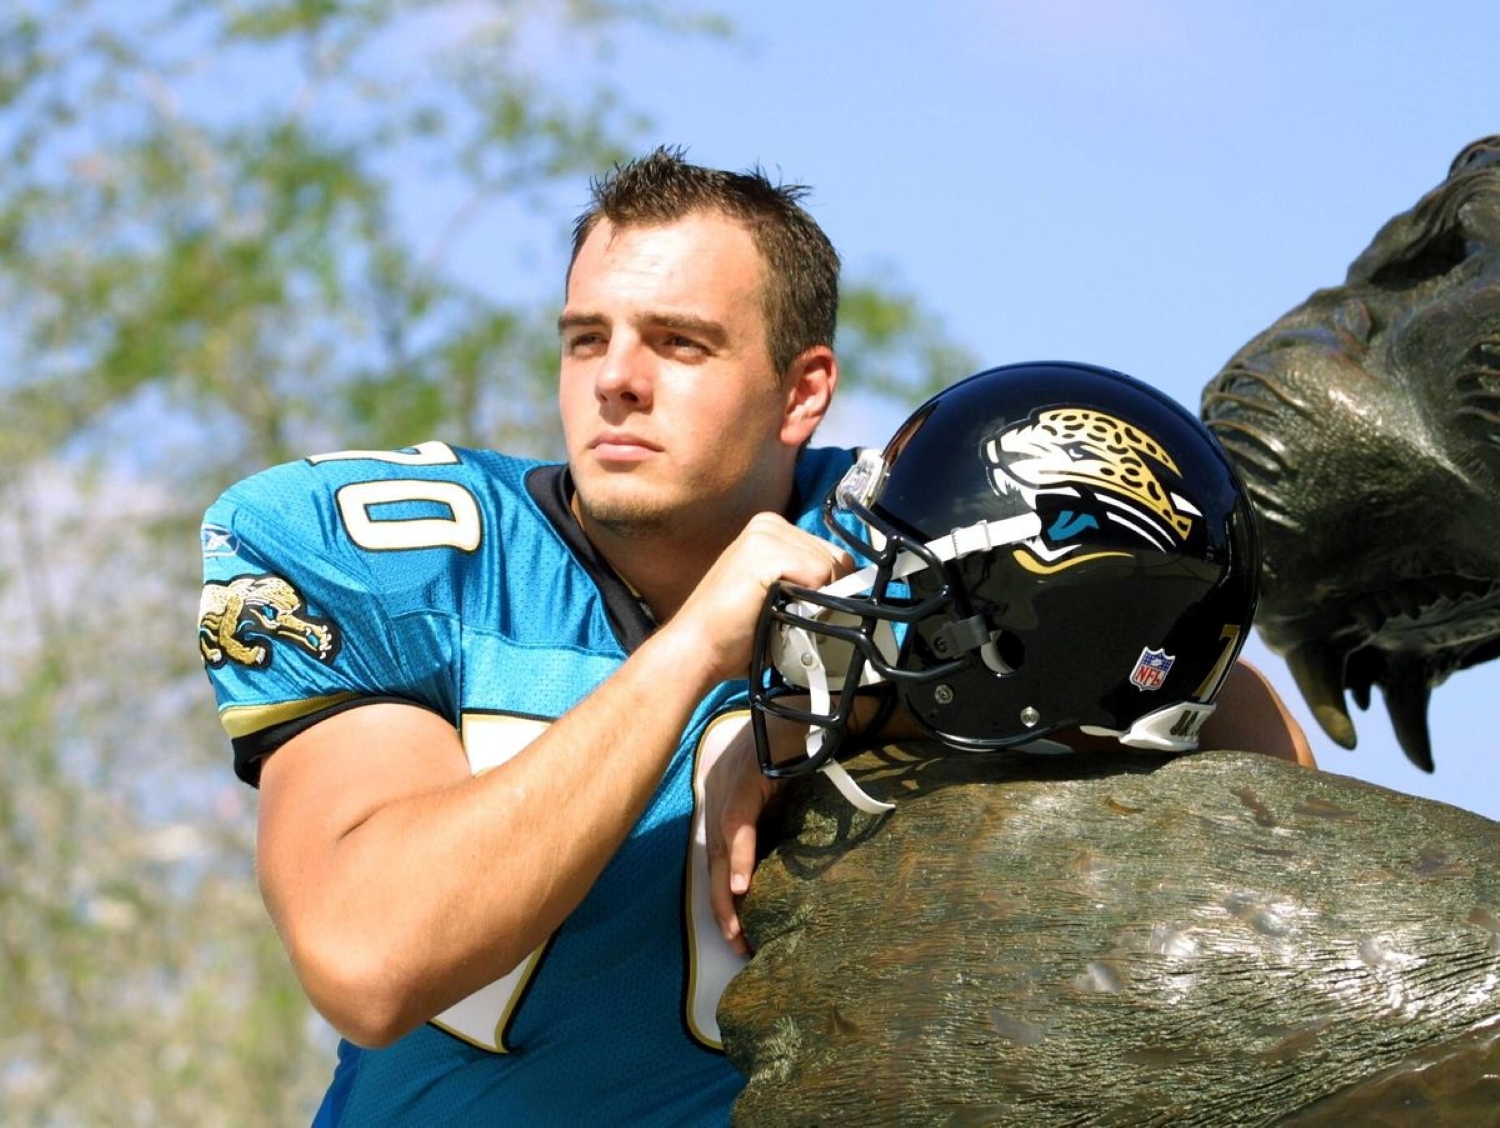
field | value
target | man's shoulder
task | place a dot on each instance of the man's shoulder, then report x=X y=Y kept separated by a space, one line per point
x=377 y=511
x=824 y=458
x=431 y=471
x=818 y=471
x=430 y=459
x=820 y=468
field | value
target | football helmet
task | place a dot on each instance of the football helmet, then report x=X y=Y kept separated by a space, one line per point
x=1046 y=545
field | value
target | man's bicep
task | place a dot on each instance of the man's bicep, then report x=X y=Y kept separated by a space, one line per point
x=327 y=781
x=1252 y=717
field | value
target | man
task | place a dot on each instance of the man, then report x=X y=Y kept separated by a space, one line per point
x=481 y=697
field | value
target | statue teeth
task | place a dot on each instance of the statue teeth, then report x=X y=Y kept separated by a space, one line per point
x=1407 y=690
x=1319 y=672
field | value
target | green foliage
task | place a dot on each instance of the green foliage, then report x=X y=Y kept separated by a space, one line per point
x=243 y=258
x=233 y=232
x=894 y=347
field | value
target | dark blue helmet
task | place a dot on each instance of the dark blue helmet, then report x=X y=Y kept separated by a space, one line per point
x=1049 y=545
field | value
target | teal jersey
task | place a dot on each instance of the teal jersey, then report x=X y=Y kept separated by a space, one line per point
x=457 y=580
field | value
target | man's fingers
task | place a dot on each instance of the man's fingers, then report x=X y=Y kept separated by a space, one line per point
x=720 y=898
x=723 y=610
x=741 y=858
x=797 y=555
x=732 y=840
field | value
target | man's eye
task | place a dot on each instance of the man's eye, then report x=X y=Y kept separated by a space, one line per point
x=583 y=343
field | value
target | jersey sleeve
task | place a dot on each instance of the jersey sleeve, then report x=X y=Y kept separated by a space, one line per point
x=295 y=623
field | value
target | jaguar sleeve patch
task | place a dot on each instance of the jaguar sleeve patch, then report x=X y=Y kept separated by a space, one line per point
x=238 y=622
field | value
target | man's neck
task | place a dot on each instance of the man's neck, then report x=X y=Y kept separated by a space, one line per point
x=661 y=569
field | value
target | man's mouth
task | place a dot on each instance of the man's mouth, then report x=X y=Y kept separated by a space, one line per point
x=622 y=448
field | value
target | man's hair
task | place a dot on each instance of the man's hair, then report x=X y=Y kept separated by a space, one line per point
x=800 y=294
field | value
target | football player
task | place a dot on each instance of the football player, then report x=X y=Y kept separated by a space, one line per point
x=497 y=709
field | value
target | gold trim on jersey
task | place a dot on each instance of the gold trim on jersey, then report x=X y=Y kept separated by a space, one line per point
x=242 y=720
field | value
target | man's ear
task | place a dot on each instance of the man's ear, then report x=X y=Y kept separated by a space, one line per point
x=809 y=391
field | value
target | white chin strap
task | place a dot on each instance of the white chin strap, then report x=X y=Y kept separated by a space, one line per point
x=858 y=797
x=818 y=663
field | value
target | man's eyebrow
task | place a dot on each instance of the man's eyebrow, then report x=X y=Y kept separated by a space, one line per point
x=711 y=331
x=568 y=321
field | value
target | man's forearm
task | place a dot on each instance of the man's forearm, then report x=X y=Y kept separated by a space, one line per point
x=425 y=883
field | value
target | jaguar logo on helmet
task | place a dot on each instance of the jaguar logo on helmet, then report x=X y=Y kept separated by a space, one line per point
x=1099 y=480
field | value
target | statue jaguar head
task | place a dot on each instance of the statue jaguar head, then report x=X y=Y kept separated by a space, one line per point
x=1366 y=426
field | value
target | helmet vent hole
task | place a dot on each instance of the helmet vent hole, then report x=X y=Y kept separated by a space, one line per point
x=1004 y=654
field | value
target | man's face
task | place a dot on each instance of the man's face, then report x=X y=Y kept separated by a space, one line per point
x=670 y=408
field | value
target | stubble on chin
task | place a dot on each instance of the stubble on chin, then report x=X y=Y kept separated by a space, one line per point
x=622 y=517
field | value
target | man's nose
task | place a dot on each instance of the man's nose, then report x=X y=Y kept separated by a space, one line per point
x=625 y=373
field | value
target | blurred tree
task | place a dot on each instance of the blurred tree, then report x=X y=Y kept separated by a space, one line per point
x=892 y=346
x=233 y=232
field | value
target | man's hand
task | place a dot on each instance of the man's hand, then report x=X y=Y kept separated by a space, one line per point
x=723 y=610
x=736 y=795
x=721 y=615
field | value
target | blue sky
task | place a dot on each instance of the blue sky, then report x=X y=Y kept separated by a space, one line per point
x=1143 y=184
x=1134 y=183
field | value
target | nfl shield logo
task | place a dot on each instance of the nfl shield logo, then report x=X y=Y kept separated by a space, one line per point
x=1151 y=669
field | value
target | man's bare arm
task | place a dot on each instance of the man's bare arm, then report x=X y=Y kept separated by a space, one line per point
x=1251 y=717
x=401 y=884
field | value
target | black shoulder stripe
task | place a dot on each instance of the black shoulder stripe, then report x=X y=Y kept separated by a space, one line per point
x=251 y=750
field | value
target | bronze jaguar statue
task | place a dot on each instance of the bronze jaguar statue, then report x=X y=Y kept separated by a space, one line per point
x=1223 y=938
x=1366 y=426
